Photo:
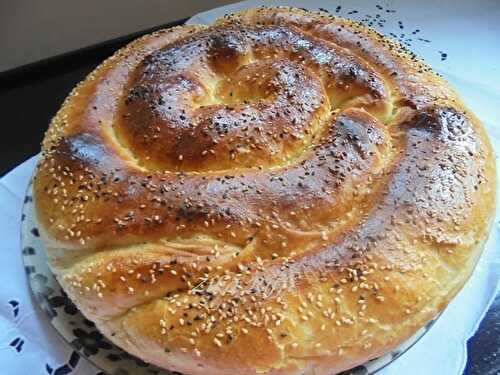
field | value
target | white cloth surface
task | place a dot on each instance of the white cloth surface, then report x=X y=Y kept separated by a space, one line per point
x=467 y=32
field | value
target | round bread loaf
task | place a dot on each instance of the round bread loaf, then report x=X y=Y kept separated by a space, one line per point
x=283 y=192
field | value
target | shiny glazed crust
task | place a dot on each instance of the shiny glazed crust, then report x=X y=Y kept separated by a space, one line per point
x=283 y=192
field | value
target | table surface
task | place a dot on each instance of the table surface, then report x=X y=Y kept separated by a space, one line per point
x=31 y=95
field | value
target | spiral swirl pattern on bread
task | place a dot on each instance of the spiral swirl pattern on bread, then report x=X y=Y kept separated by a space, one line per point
x=283 y=192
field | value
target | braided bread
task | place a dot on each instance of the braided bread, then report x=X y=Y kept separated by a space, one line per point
x=283 y=192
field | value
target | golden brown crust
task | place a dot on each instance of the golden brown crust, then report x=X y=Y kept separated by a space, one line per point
x=284 y=192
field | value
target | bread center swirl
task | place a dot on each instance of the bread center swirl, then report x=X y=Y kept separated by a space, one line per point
x=239 y=98
x=261 y=135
